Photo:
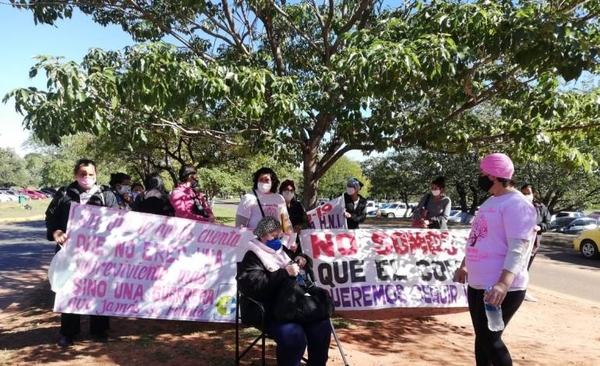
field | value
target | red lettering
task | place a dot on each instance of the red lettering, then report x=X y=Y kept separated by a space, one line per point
x=383 y=243
x=346 y=243
x=401 y=240
x=319 y=243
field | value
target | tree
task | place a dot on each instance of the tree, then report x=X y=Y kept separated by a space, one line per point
x=12 y=169
x=310 y=82
x=334 y=181
x=35 y=163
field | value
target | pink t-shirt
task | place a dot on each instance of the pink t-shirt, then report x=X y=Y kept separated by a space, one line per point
x=499 y=218
x=273 y=204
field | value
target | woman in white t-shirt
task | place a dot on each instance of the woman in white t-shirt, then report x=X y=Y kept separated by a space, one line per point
x=496 y=256
x=263 y=201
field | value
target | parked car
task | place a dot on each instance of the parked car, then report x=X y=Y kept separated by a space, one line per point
x=558 y=224
x=579 y=225
x=5 y=197
x=14 y=194
x=566 y=214
x=372 y=207
x=455 y=216
x=34 y=195
x=398 y=209
x=587 y=243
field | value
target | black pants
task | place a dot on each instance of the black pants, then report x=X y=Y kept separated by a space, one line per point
x=490 y=350
x=70 y=324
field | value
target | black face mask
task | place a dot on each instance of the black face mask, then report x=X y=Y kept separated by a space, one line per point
x=194 y=183
x=485 y=183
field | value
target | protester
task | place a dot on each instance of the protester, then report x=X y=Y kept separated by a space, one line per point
x=155 y=200
x=542 y=225
x=186 y=201
x=434 y=208
x=262 y=201
x=120 y=185
x=83 y=190
x=355 y=204
x=136 y=189
x=265 y=269
x=295 y=209
x=497 y=251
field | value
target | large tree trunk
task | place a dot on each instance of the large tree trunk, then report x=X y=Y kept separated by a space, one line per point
x=310 y=186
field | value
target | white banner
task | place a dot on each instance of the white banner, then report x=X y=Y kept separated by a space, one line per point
x=130 y=264
x=329 y=215
x=388 y=268
x=147 y=266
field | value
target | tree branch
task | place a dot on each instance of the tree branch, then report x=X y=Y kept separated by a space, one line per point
x=350 y=23
x=167 y=30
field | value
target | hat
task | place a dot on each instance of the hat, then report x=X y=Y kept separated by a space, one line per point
x=266 y=225
x=497 y=164
x=186 y=171
x=353 y=182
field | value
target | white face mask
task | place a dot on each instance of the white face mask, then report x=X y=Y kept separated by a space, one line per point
x=288 y=195
x=529 y=197
x=436 y=192
x=350 y=190
x=264 y=187
x=124 y=189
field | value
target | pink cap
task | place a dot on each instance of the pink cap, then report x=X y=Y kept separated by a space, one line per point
x=498 y=165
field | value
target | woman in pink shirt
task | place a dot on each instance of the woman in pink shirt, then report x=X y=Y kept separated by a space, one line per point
x=188 y=203
x=496 y=256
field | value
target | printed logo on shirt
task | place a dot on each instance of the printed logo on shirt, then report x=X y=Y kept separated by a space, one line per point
x=479 y=230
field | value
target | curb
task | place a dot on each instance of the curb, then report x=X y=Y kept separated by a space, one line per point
x=22 y=219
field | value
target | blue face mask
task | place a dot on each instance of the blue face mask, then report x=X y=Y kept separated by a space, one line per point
x=274 y=244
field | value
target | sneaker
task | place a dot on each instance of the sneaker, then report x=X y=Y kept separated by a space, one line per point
x=65 y=341
x=530 y=298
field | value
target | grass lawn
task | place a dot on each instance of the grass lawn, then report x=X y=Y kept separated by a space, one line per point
x=225 y=213
x=13 y=209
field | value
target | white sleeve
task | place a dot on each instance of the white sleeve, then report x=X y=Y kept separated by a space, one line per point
x=244 y=208
x=518 y=254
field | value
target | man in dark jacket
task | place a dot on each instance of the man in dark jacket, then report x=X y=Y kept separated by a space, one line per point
x=83 y=190
x=356 y=205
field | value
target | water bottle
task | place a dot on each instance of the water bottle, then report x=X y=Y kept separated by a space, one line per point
x=494 y=316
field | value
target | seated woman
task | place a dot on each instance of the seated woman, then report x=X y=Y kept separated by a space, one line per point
x=266 y=269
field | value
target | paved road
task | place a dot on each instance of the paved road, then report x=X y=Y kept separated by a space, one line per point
x=565 y=270
x=23 y=248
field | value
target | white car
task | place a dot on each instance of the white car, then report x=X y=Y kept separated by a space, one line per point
x=372 y=207
x=398 y=209
x=7 y=196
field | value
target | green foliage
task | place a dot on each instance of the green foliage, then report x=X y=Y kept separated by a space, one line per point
x=12 y=169
x=334 y=181
x=308 y=83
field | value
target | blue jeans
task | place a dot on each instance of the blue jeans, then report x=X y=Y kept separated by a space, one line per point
x=293 y=338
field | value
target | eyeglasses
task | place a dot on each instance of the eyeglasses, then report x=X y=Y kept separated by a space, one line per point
x=288 y=190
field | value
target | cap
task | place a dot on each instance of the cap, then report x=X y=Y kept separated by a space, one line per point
x=266 y=225
x=497 y=164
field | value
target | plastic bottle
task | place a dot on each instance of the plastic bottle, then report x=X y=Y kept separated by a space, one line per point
x=494 y=316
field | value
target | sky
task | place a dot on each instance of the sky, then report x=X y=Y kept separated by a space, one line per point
x=21 y=40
